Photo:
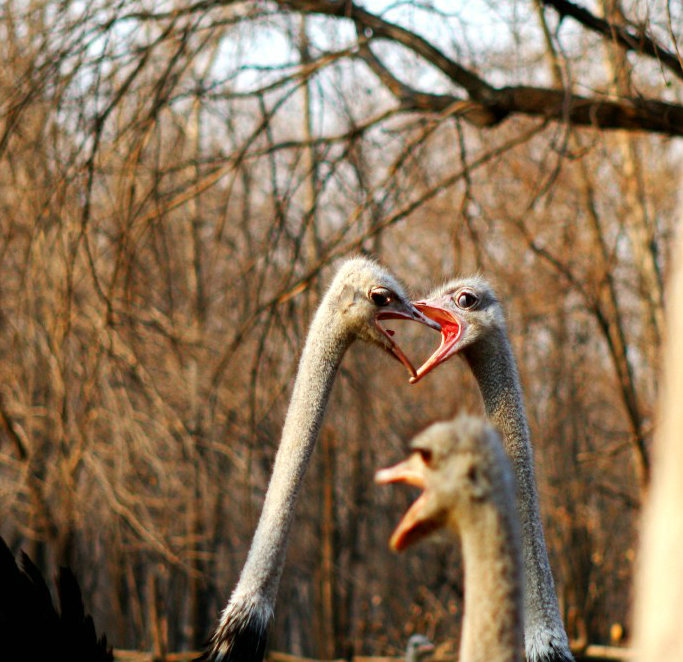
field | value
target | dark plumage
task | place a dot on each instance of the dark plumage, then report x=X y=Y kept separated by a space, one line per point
x=32 y=627
x=242 y=637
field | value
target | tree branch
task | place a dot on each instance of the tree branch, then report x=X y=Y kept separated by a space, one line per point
x=487 y=106
x=629 y=40
x=476 y=87
x=474 y=112
x=624 y=113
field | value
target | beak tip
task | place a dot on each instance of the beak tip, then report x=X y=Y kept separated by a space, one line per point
x=396 y=545
x=379 y=477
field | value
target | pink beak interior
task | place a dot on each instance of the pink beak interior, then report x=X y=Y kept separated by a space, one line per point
x=416 y=316
x=451 y=330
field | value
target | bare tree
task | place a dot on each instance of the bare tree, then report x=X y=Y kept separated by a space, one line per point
x=177 y=181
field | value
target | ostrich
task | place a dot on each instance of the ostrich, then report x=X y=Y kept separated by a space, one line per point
x=473 y=325
x=469 y=488
x=418 y=648
x=361 y=296
x=32 y=628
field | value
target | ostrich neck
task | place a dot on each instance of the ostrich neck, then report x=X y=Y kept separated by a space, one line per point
x=493 y=365
x=320 y=359
x=492 y=624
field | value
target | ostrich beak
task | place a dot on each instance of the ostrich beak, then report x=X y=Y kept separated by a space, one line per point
x=421 y=518
x=437 y=309
x=409 y=313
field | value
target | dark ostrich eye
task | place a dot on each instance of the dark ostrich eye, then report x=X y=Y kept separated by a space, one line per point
x=381 y=296
x=466 y=299
x=425 y=454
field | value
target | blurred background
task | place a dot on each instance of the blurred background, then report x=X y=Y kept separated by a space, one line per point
x=179 y=181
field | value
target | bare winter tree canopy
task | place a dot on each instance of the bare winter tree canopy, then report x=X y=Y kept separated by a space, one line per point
x=179 y=181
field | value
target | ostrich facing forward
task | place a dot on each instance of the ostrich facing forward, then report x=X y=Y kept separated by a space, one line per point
x=473 y=325
x=361 y=296
x=469 y=489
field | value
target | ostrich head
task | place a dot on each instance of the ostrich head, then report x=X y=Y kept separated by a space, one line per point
x=467 y=310
x=418 y=648
x=459 y=464
x=365 y=295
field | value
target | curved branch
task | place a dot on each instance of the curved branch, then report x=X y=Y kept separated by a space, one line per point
x=487 y=106
x=630 y=41
x=626 y=113
x=475 y=112
x=476 y=87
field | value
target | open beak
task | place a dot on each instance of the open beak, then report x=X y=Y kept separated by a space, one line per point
x=451 y=330
x=419 y=520
x=413 y=314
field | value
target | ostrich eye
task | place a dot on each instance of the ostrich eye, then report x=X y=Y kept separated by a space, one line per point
x=425 y=454
x=381 y=296
x=466 y=299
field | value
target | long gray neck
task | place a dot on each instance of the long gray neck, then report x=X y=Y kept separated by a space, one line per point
x=492 y=624
x=493 y=365
x=322 y=354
